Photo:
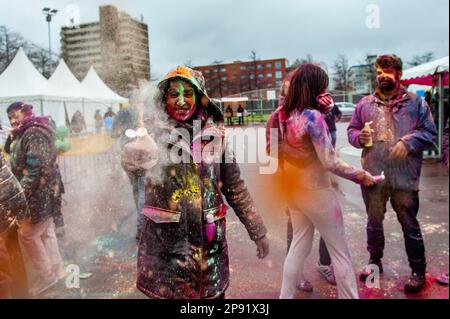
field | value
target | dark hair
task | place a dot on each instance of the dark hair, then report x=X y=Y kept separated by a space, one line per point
x=308 y=82
x=16 y=106
x=389 y=61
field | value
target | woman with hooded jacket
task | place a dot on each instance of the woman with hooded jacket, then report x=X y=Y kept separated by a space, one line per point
x=183 y=251
x=308 y=156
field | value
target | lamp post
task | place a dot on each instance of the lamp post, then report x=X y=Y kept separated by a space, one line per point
x=49 y=13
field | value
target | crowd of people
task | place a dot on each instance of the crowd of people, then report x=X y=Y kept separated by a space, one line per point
x=181 y=212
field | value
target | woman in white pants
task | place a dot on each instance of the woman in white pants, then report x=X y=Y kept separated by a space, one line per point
x=309 y=155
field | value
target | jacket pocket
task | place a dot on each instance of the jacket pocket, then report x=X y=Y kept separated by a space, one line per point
x=161 y=216
x=219 y=212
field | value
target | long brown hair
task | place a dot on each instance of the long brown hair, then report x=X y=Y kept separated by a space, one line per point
x=308 y=82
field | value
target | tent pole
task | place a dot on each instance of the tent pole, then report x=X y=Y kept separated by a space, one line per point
x=441 y=113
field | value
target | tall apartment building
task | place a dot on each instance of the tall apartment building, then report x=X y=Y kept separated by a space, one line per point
x=117 y=46
x=233 y=78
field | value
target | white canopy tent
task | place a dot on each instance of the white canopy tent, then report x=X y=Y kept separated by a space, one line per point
x=96 y=89
x=22 y=82
x=423 y=74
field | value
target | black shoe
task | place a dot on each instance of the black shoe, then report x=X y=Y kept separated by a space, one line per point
x=366 y=273
x=415 y=283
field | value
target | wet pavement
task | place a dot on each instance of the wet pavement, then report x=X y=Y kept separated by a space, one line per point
x=100 y=235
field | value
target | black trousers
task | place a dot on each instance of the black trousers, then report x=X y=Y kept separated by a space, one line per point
x=406 y=206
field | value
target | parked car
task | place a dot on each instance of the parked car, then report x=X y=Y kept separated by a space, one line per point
x=347 y=109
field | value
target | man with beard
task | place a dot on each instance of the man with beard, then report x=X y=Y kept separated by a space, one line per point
x=183 y=251
x=401 y=128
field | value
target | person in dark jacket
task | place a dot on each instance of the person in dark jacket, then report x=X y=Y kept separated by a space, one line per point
x=33 y=162
x=401 y=129
x=77 y=125
x=183 y=251
x=13 y=207
x=444 y=277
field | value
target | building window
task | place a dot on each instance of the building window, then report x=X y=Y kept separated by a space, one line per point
x=278 y=84
x=215 y=71
x=269 y=75
x=260 y=76
x=269 y=85
x=243 y=67
x=223 y=70
x=260 y=66
x=243 y=76
x=278 y=74
x=252 y=76
x=278 y=65
x=224 y=78
x=268 y=65
x=206 y=71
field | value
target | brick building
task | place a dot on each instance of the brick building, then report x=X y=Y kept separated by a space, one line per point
x=117 y=46
x=233 y=78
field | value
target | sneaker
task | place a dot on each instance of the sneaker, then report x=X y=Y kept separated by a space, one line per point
x=327 y=272
x=366 y=273
x=43 y=285
x=415 y=283
x=443 y=280
x=305 y=285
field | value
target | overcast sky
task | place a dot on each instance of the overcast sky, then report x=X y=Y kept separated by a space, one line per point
x=227 y=30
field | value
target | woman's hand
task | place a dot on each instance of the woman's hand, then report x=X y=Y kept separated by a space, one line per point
x=368 y=180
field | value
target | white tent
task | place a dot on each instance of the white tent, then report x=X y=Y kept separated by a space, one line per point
x=62 y=80
x=22 y=82
x=422 y=74
x=96 y=89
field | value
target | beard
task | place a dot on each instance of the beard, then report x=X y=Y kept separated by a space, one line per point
x=387 y=85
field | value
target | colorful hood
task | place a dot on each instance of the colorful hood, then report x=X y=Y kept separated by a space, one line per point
x=198 y=81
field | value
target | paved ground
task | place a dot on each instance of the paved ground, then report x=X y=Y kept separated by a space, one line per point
x=101 y=229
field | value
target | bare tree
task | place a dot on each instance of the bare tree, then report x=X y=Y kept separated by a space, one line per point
x=216 y=81
x=421 y=59
x=297 y=62
x=341 y=74
x=254 y=58
x=10 y=42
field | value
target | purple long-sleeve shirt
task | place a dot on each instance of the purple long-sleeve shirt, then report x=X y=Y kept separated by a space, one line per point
x=408 y=119
x=309 y=150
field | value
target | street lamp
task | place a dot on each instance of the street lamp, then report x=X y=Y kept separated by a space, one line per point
x=49 y=13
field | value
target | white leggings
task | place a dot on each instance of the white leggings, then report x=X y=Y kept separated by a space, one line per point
x=318 y=209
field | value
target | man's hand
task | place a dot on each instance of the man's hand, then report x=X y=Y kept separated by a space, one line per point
x=364 y=137
x=262 y=247
x=399 y=152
